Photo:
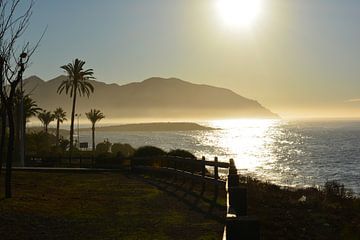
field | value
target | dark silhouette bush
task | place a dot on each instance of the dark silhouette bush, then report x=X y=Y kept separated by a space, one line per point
x=122 y=150
x=181 y=153
x=149 y=151
x=103 y=147
x=334 y=189
x=64 y=144
x=147 y=156
x=40 y=143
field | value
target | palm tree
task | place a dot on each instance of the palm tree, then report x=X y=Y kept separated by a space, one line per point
x=76 y=83
x=94 y=116
x=31 y=108
x=60 y=116
x=46 y=118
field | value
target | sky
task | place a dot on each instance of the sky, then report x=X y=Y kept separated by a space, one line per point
x=298 y=58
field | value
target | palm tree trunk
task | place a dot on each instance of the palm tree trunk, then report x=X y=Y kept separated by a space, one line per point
x=46 y=128
x=57 y=132
x=93 y=138
x=72 y=123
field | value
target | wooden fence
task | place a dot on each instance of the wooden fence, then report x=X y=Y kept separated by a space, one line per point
x=238 y=224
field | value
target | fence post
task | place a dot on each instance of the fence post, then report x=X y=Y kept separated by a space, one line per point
x=216 y=177
x=238 y=224
x=237 y=194
x=216 y=168
x=203 y=172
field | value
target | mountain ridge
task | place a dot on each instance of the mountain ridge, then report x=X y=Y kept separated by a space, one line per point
x=153 y=97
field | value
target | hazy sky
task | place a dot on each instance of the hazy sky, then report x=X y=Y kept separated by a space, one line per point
x=300 y=58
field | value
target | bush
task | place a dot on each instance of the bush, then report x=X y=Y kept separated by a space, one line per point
x=149 y=151
x=147 y=155
x=40 y=143
x=103 y=147
x=64 y=144
x=334 y=189
x=122 y=150
x=181 y=153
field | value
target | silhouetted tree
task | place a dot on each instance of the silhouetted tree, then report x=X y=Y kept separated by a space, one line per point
x=14 y=21
x=76 y=83
x=94 y=116
x=46 y=118
x=31 y=108
x=60 y=116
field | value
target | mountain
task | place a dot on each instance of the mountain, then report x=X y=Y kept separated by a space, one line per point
x=151 y=98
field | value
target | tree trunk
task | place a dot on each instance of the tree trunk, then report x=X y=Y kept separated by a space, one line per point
x=46 y=128
x=10 y=150
x=57 y=132
x=3 y=132
x=24 y=140
x=3 y=114
x=93 y=138
x=72 y=123
x=16 y=117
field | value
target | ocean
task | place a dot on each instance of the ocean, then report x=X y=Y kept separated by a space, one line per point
x=288 y=153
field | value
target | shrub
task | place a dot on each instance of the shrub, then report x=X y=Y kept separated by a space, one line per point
x=149 y=151
x=147 y=155
x=181 y=153
x=64 y=144
x=40 y=143
x=103 y=147
x=122 y=150
x=334 y=189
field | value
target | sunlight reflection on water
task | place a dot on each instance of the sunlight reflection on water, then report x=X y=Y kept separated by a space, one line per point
x=286 y=153
x=244 y=140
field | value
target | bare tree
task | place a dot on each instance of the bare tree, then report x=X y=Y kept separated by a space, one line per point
x=13 y=61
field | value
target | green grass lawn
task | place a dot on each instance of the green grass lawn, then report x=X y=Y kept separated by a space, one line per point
x=96 y=206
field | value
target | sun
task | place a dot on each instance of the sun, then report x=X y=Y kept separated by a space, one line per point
x=239 y=13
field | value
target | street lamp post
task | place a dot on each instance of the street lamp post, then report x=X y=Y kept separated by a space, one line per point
x=22 y=114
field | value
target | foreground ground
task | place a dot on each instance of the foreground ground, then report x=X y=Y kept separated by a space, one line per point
x=96 y=206
x=122 y=206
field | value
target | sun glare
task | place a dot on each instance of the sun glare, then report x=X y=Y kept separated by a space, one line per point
x=239 y=13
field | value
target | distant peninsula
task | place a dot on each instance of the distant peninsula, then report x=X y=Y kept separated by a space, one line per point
x=152 y=127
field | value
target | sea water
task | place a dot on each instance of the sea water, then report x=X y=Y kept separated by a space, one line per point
x=290 y=153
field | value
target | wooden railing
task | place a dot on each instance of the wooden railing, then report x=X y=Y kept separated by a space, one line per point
x=184 y=169
x=238 y=224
